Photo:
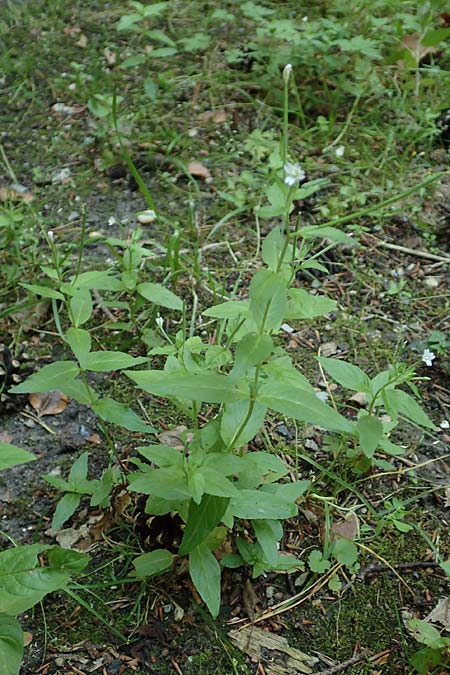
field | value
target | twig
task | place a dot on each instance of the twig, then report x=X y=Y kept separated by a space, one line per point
x=344 y=665
x=374 y=568
x=105 y=310
x=412 y=251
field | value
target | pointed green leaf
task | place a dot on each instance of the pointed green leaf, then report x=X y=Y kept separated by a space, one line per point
x=208 y=387
x=160 y=296
x=251 y=351
x=233 y=416
x=106 y=361
x=11 y=645
x=268 y=534
x=65 y=508
x=232 y=309
x=119 y=413
x=303 y=305
x=81 y=306
x=12 y=456
x=370 y=431
x=79 y=341
x=268 y=299
x=205 y=574
x=256 y=505
x=48 y=378
x=302 y=405
x=155 y=562
x=346 y=374
x=44 y=291
x=202 y=519
x=409 y=408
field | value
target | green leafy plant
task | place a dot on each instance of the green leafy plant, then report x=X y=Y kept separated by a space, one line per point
x=436 y=653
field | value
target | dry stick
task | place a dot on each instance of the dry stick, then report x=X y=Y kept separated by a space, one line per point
x=412 y=251
x=344 y=665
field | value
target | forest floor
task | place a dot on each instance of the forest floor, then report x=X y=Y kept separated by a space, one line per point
x=199 y=89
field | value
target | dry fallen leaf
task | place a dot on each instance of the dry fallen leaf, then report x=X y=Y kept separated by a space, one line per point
x=447 y=498
x=172 y=437
x=49 y=402
x=280 y=657
x=441 y=613
x=414 y=45
x=110 y=56
x=216 y=116
x=27 y=638
x=198 y=170
x=360 y=398
x=328 y=349
x=12 y=194
x=5 y=437
x=347 y=528
x=82 y=42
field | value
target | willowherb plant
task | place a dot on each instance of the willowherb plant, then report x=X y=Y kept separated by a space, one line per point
x=215 y=483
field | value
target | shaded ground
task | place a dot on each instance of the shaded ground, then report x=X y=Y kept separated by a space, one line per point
x=390 y=302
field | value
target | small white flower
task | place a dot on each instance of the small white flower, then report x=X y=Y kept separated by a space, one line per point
x=287 y=72
x=339 y=152
x=322 y=395
x=428 y=357
x=293 y=174
x=304 y=19
x=445 y=424
x=51 y=235
x=159 y=322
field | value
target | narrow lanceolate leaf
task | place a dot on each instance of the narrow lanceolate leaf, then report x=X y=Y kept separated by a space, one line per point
x=12 y=456
x=11 y=645
x=48 y=378
x=268 y=534
x=44 y=291
x=81 y=306
x=160 y=296
x=409 y=408
x=302 y=405
x=370 y=431
x=105 y=361
x=256 y=505
x=65 y=508
x=155 y=562
x=24 y=581
x=303 y=305
x=207 y=387
x=268 y=299
x=346 y=374
x=119 y=413
x=202 y=520
x=80 y=343
x=233 y=416
x=205 y=574
x=251 y=350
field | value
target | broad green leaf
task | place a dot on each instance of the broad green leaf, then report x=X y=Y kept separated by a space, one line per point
x=256 y=505
x=202 y=519
x=286 y=562
x=65 y=508
x=302 y=405
x=215 y=483
x=332 y=233
x=155 y=562
x=251 y=351
x=434 y=37
x=79 y=468
x=24 y=581
x=133 y=61
x=79 y=341
x=11 y=645
x=208 y=387
x=446 y=567
x=272 y=248
x=260 y=467
x=424 y=631
x=48 y=378
x=232 y=309
x=346 y=374
x=106 y=361
x=160 y=295
x=81 y=306
x=205 y=574
x=12 y=456
x=288 y=491
x=370 y=431
x=345 y=552
x=233 y=416
x=119 y=413
x=303 y=305
x=44 y=291
x=282 y=371
x=158 y=506
x=407 y=406
x=79 y=391
x=166 y=483
x=128 y=21
x=317 y=563
x=162 y=455
x=268 y=534
x=99 y=280
x=268 y=299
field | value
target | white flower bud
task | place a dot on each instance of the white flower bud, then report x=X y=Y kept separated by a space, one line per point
x=159 y=322
x=287 y=73
x=51 y=235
